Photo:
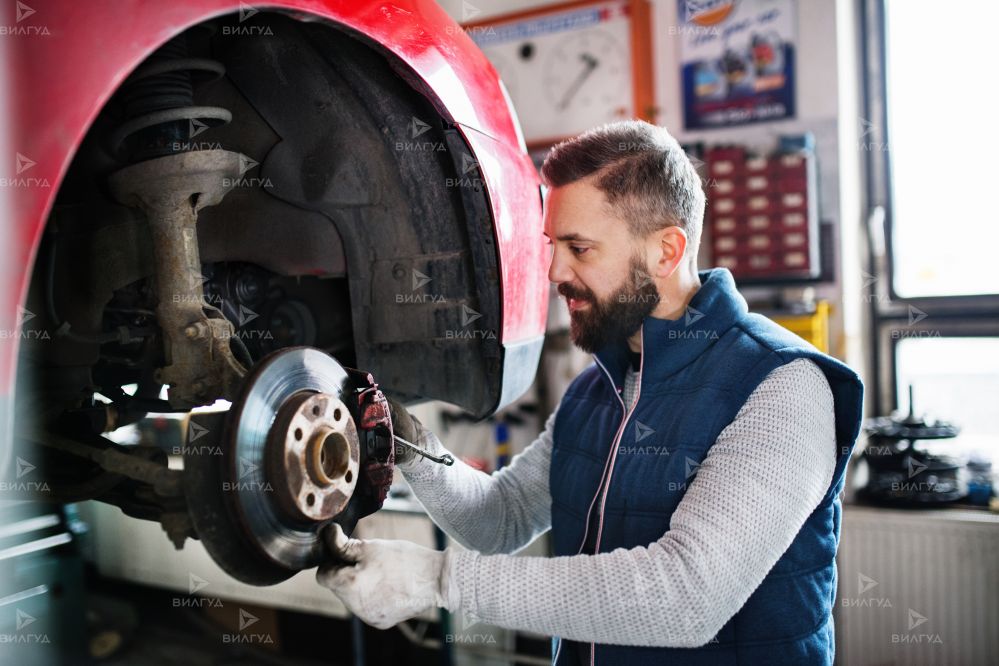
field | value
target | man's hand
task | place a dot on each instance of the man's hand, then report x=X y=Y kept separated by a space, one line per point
x=391 y=581
x=406 y=426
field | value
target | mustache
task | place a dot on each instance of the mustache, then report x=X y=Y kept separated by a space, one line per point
x=577 y=293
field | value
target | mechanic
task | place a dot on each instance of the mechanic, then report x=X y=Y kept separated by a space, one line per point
x=690 y=477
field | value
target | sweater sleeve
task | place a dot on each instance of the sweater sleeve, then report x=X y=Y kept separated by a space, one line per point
x=763 y=477
x=492 y=513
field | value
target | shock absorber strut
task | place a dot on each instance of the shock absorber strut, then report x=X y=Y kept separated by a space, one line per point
x=158 y=97
x=170 y=183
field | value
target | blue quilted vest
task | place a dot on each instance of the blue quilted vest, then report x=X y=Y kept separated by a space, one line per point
x=697 y=372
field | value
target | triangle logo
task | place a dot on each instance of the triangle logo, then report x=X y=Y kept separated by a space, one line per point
x=246 y=619
x=468 y=163
x=23 y=619
x=23 y=12
x=865 y=583
x=246 y=467
x=468 y=315
x=195 y=431
x=246 y=11
x=24 y=467
x=915 y=619
x=195 y=127
x=198 y=280
x=24 y=315
x=246 y=163
x=469 y=11
x=914 y=466
x=23 y=163
x=642 y=278
x=692 y=467
x=692 y=316
x=246 y=315
x=466 y=620
x=195 y=583
x=916 y=315
x=419 y=279
x=417 y=127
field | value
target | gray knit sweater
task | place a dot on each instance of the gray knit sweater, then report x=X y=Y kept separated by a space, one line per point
x=764 y=475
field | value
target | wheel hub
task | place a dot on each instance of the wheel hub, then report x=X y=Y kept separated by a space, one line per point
x=290 y=463
x=313 y=456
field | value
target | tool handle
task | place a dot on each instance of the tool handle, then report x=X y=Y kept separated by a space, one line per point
x=446 y=459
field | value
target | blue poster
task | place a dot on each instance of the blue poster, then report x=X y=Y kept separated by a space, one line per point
x=738 y=61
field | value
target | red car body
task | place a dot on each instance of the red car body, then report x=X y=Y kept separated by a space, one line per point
x=64 y=59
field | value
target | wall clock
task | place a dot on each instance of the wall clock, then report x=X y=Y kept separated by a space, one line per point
x=572 y=66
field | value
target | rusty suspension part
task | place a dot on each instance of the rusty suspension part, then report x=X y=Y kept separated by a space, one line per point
x=199 y=364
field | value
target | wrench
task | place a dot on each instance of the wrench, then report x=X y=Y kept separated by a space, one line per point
x=446 y=459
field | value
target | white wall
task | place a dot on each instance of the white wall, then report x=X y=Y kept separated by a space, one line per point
x=462 y=10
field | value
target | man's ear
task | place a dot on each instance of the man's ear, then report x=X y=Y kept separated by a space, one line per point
x=671 y=250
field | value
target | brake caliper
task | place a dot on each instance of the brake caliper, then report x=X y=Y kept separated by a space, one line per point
x=374 y=426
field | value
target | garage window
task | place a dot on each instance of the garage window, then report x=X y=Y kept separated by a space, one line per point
x=932 y=282
x=959 y=379
x=943 y=153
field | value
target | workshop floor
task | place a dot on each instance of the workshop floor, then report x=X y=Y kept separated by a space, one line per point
x=135 y=624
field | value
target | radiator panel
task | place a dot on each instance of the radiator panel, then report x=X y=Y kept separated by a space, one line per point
x=918 y=588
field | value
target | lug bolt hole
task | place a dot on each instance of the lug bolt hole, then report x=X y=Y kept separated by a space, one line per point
x=336 y=414
x=310 y=499
x=348 y=476
x=298 y=434
x=316 y=410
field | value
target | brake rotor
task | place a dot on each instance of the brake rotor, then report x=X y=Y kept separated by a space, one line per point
x=290 y=465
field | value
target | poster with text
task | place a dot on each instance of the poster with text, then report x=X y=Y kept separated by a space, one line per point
x=738 y=61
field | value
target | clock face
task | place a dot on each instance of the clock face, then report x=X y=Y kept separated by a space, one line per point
x=566 y=71
x=587 y=75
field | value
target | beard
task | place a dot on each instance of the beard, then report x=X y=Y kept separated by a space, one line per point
x=615 y=318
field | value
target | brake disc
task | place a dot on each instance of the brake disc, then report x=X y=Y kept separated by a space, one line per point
x=289 y=465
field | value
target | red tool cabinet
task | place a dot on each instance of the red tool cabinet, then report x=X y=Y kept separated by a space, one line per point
x=763 y=213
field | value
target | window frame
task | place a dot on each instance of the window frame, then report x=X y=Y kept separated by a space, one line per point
x=951 y=316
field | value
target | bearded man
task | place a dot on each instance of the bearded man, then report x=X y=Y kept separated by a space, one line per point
x=690 y=477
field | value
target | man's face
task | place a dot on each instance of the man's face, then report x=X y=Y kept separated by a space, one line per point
x=598 y=265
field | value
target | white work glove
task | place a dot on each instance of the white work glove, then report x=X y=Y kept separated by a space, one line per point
x=408 y=427
x=391 y=581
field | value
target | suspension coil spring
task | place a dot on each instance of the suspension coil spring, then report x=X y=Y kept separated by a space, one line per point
x=158 y=96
